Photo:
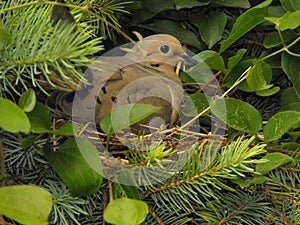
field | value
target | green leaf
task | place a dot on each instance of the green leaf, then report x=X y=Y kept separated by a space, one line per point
x=158 y=6
x=122 y=191
x=12 y=118
x=235 y=73
x=246 y=22
x=68 y=129
x=29 y=205
x=280 y=123
x=211 y=27
x=173 y=28
x=234 y=60
x=288 y=146
x=259 y=76
x=273 y=19
x=126 y=178
x=294 y=135
x=125 y=211
x=237 y=114
x=290 y=5
x=273 y=39
x=289 y=100
x=268 y=92
x=78 y=163
x=290 y=21
x=132 y=113
x=275 y=160
x=195 y=104
x=182 y=4
x=291 y=67
x=258 y=179
x=27 y=101
x=212 y=59
x=40 y=119
x=231 y=3
x=126 y=186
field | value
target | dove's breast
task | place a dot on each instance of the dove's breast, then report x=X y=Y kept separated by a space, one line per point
x=154 y=84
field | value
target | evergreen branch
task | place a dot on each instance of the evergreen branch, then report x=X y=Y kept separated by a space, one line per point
x=205 y=174
x=236 y=208
x=66 y=208
x=42 y=55
x=162 y=215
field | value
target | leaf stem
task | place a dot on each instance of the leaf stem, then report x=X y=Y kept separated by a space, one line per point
x=284 y=48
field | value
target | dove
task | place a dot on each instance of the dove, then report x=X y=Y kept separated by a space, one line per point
x=146 y=73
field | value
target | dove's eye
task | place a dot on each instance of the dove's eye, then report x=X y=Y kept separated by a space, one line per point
x=164 y=49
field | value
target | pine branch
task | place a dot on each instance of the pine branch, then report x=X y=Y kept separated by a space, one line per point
x=206 y=173
x=39 y=55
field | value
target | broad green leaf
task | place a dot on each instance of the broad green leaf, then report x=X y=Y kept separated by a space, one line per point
x=212 y=59
x=291 y=67
x=275 y=160
x=237 y=114
x=243 y=183
x=289 y=100
x=268 y=92
x=182 y=4
x=288 y=146
x=290 y=20
x=211 y=27
x=125 y=191
x=127 y=176
x=200 y=73
x=130 y=114
x=125 y=211
x=279 y=124
x=40 y=119
x=77 y=162
x=27 y=101
x=126 y=186
x=173 y=28
x=234 y=60
x=158 y=6
x=12 y=118
x=88 y=152
x=235 y=73
x=273 y=19
x=29 y=205
x=273 y=39
x=294 y=135
x=259 y=76
x=246 y=22
x=68 y=129
x=290 y=5
x=231 y=3
x=195 y=104
x=276 y=10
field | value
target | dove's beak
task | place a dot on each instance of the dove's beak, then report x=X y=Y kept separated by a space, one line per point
x=188 y=59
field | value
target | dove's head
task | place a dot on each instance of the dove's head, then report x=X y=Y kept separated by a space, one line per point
x=163 y=48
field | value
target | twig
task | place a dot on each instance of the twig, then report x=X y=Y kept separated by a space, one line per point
x=209 y=81
x=2 y=163
x=110 y=189
x=241 y=78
